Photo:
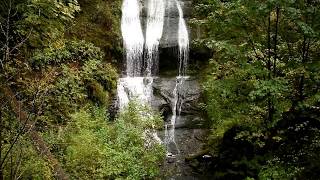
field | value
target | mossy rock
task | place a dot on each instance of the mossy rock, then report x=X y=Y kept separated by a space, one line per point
x=97 y=94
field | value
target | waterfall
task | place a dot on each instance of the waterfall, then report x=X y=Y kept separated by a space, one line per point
x=178 y=91
x=132 y=86
x=155 y=20
x=183 y=42
x=136 y=86
x=133 y=39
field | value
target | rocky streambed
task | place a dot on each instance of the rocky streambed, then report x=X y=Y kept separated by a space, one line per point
x=187 y=157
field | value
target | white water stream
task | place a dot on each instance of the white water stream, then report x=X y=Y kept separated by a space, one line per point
x=133 y=40
x=134 y=88
x=155 y=21
x=183 y=42
x=133 y=85
x=178 y=92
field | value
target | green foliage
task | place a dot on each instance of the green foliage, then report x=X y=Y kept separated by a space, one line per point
x=31 y=165
x=72 y=51
x=98 y=94
x=74 y=87
x=23 y=160
x=19 y=158
x=276 y=170
x=263 y=75
x=99 y=23
x=44 y=21
x=72 y=76
x=97 y=149
x=104 y=73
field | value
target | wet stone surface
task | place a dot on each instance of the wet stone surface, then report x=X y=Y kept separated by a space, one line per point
x=189 y=133
x=189 y=142
x=163 y=94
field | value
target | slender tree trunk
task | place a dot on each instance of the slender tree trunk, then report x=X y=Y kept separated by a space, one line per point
x=269 y=68
x=22 y=116
x=1 y=141
x=11 y=165
x=305 y=55
x=276 y=42
x=37 y=140
x=269 y=46
x=301 y=78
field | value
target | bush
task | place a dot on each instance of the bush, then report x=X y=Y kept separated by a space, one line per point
x=24 y=161
x=72 y=51
x=77 y=76
x=93 y=148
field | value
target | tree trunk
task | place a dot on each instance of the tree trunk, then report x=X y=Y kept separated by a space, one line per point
x=1 y=140
x=37 y=140
x=270 y=106
x=276 y=42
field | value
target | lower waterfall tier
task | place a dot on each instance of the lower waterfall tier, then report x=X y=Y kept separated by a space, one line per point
x=134 y=88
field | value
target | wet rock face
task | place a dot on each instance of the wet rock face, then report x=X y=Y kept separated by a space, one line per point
x=163 y=98
x=190 y=129
x=171 y=23
x=163 y=92
x=176 y=166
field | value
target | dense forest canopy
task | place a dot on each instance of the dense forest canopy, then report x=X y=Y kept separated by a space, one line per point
x=262 y=86
x=59 y=64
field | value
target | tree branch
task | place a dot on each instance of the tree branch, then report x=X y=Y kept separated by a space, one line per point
x=37 y=140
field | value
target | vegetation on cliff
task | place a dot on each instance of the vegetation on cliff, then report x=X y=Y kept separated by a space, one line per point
x=56 y=84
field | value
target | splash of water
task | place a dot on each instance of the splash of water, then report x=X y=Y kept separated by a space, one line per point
x=138 y=88
x=155 y=21
x=133 y=39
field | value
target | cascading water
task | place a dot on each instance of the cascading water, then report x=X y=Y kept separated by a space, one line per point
x=155 y=20
x=163 y=20
x=183 y=42
x=133 y=86
x=133 y=39
x=178 y=92
x=137 y=88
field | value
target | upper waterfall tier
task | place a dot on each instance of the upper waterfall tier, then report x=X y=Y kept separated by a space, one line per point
x=133 y=39
x=154 y=29
x=171 y=20
x=146 y=25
